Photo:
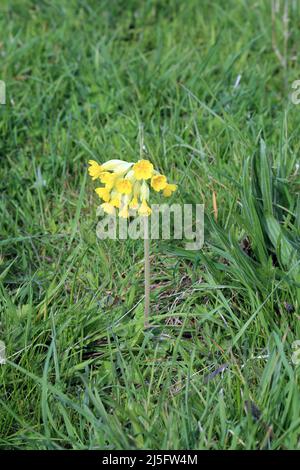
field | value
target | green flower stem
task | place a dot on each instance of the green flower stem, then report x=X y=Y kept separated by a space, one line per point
x=147 y=272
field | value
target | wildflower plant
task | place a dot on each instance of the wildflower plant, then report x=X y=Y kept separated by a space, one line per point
x=125 y=191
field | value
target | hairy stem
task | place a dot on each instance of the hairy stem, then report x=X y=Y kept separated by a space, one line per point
x=147 y=273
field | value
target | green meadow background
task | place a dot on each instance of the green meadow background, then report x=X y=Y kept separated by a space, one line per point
x=208 y=84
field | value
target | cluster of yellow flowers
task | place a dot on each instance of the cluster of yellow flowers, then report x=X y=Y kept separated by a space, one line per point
x=126 y=185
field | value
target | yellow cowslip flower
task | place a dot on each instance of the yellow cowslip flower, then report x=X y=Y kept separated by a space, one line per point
x=158 y=182
x=103 y=193
x=124 y=186
x=115 y=201
x=95 y=169
x=169 y=189
x=134 y=203
x=107 y=178
x=143 y=170
x=124 y=212
x=144 y=209
x=108 y=208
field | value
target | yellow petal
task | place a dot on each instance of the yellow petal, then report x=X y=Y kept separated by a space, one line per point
x=169 y=189
x=144 y=209
x=108 y=208
x=124 y=212
x=134 y=204
x=143 y=170
x=103 y=193
x=124 y=186
x=115 y=202
x=158 y=182
x=94 y=169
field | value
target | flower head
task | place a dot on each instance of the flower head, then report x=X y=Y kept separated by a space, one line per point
x=126 y=187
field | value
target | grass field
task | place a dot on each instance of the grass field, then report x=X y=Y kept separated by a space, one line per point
x=209 y=83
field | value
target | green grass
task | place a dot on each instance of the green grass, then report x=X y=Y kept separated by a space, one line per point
x=82 y=78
